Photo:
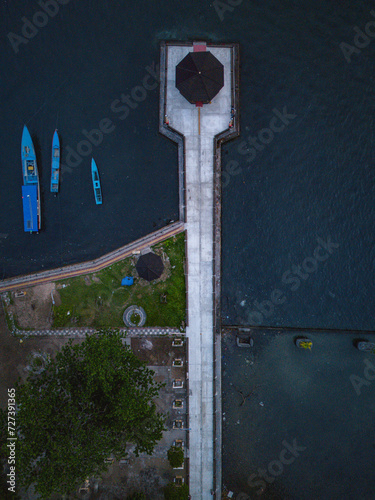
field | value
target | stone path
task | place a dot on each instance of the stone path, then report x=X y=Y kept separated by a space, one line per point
x=83 y=332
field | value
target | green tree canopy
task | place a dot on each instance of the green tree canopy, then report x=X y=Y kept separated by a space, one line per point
x=137 y=496
x=174 y=492
x=90 y=401
x=176 y=456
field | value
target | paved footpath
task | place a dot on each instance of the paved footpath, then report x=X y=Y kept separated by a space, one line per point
x=85 y=331
x=199 y=175
x=94 y=265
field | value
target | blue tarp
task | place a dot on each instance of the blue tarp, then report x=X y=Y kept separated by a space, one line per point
x=128 y=280
x=30 y=207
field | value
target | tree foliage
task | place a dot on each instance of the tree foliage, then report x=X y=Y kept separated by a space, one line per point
x=176 y=456
x=174 y=492
x=90 y=401
x=136 y=496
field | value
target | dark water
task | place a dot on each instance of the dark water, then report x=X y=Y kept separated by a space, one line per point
x=318 y=403
x=314 y=178
x=67 y=77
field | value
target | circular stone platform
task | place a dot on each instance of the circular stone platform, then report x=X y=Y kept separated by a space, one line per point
x=38 y=362
x=134 y=310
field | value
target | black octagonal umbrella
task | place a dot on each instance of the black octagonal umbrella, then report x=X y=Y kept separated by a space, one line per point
x=199 y=77
x=150 y=266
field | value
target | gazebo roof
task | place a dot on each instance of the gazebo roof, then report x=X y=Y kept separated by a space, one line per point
x=199 y=77
x=150 y=266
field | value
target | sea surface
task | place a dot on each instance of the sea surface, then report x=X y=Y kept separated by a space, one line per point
x=313 y=179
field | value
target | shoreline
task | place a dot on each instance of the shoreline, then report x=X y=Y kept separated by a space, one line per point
x=92 y=266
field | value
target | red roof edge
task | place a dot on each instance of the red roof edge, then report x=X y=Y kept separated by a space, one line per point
x=199 y=47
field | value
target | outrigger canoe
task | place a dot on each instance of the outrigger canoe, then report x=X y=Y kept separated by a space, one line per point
x=55 y=168
x=96 y=183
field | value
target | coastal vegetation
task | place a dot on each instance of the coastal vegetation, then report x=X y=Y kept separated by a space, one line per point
x=175 y=456
x=91 y=400
x=175 y=492
x=98 y=300
x=137 y=496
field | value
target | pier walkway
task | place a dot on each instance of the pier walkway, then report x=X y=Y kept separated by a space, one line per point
x=196 y=131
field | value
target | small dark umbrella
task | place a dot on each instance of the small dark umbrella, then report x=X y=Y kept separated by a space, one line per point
x=199 y=77
x=150 y=266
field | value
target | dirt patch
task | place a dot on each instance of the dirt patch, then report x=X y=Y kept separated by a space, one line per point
x=15 y=356
x=91 y=278
x=32 y=307
x=155 y=351
x=146 y=474
x=151 y=473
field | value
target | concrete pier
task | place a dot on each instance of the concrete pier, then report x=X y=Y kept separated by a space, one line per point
x=199 y=135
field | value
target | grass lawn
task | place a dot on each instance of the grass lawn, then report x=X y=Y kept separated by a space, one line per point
x=99 y=300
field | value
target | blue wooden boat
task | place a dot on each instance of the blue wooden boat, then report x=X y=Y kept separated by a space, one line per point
x=96 y=182
x=55 y=168
x=31 y=188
